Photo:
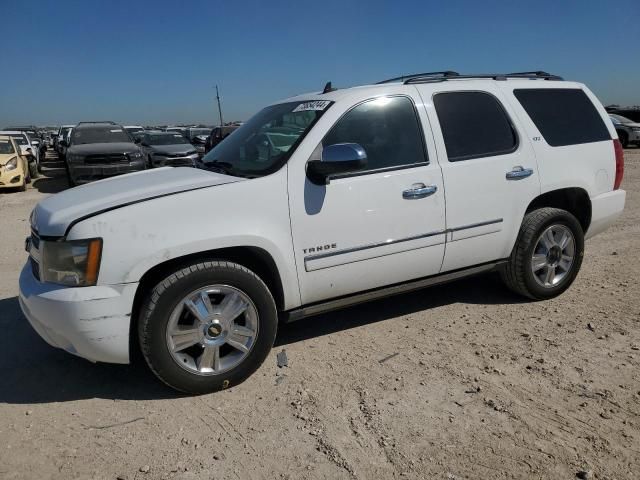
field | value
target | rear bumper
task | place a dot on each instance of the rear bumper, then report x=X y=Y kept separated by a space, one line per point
x=91 y=322
x=605 y=209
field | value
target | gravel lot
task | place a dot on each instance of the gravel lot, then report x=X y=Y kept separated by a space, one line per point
x=460 y=381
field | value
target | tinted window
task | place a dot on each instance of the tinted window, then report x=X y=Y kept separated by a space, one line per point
x=166 y=139
x=474 y=124
x=108 y=134
x=387 y=128
x=563 y=116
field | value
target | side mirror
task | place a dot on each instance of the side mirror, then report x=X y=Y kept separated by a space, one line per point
x=137 y=139
x=336 y=159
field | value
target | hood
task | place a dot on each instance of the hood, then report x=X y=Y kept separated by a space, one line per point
x=92 y=148
x=56 y=214
x=5 y=157
x=180 y=148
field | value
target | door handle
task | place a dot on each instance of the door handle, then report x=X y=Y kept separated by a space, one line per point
x=519 y=172
x=419 y=190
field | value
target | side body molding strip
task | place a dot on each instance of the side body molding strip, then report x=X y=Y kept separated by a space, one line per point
x=311 y=262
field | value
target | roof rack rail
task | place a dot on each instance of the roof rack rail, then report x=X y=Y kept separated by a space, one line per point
x=492 y=76
x=98 y=121
x=403 y=78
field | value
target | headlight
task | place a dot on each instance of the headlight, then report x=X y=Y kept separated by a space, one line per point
x=135 y=155
x=74 y=263
x=636 y=129
x=11 y=164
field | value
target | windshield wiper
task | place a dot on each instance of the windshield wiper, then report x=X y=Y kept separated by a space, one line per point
x=220 y=167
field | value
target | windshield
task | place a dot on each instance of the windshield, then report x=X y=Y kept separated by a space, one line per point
x=194 y=132
x=110 y=134
x=19 y=138
x=167 y=139
x=6 y=147
x=621 y=119
x=264 y=143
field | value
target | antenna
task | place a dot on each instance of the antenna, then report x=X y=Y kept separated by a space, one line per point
x=219 y=108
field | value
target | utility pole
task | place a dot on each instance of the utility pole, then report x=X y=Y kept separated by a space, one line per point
x=219 y=108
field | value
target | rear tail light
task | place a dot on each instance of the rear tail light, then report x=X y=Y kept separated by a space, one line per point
x=619 y=164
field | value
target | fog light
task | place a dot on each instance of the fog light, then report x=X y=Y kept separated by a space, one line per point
x=15 y=180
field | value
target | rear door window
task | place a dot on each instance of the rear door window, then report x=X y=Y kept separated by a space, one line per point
x=564 y=116
x=474 y=125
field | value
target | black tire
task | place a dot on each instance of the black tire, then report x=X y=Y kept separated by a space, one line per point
x=518 y=274
x=33 y=170
x=163 y=298
x=70 y=180
x=624 y=139
x=27 y=172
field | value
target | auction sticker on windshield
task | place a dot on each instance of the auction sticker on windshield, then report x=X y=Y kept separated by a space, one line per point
x=314 y=105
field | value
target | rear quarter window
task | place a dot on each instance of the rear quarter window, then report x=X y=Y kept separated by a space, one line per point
x=564 y=116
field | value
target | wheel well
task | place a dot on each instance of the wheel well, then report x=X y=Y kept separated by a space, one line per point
x=574 y=200
x=254 y=258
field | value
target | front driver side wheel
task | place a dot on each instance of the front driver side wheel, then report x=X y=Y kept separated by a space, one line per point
x=207 y=326
x=547 y=256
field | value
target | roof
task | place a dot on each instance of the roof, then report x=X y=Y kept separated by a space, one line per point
x=12 y=132
x=473 y=81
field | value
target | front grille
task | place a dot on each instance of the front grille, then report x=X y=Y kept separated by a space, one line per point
x=106 y=158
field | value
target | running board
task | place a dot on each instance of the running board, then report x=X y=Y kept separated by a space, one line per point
x=342 y=302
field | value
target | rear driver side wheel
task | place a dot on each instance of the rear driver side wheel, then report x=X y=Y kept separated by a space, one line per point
x=547 y=256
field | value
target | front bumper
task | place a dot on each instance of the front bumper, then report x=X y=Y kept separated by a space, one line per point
x=12 y=178
x=605 y=209
x=90 y=322
x=82 y=173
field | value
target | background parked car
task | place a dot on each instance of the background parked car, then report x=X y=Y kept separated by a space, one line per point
x=35 y=135
x=198 y=137
x=99 y=150
x=218 y=134
x=133 y=130
x=628 y=130
x=14 y=170
x=27 y=149
x=62 y=133
x=167 y=149
x=64 y=143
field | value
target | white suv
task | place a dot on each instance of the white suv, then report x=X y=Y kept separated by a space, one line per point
x=321 y=201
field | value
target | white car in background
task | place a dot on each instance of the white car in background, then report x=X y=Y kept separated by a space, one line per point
x=322 y=201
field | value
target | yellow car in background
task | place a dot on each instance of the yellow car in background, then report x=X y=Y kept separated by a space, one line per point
x=14 y=169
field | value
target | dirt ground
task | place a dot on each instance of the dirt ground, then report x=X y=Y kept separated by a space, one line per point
x=459 y=381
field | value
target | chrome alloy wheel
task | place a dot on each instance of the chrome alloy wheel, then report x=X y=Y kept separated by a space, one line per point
x=212 y=330
x=553 y=255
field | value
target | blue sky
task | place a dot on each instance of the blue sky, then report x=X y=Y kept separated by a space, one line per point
x=156 y=61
